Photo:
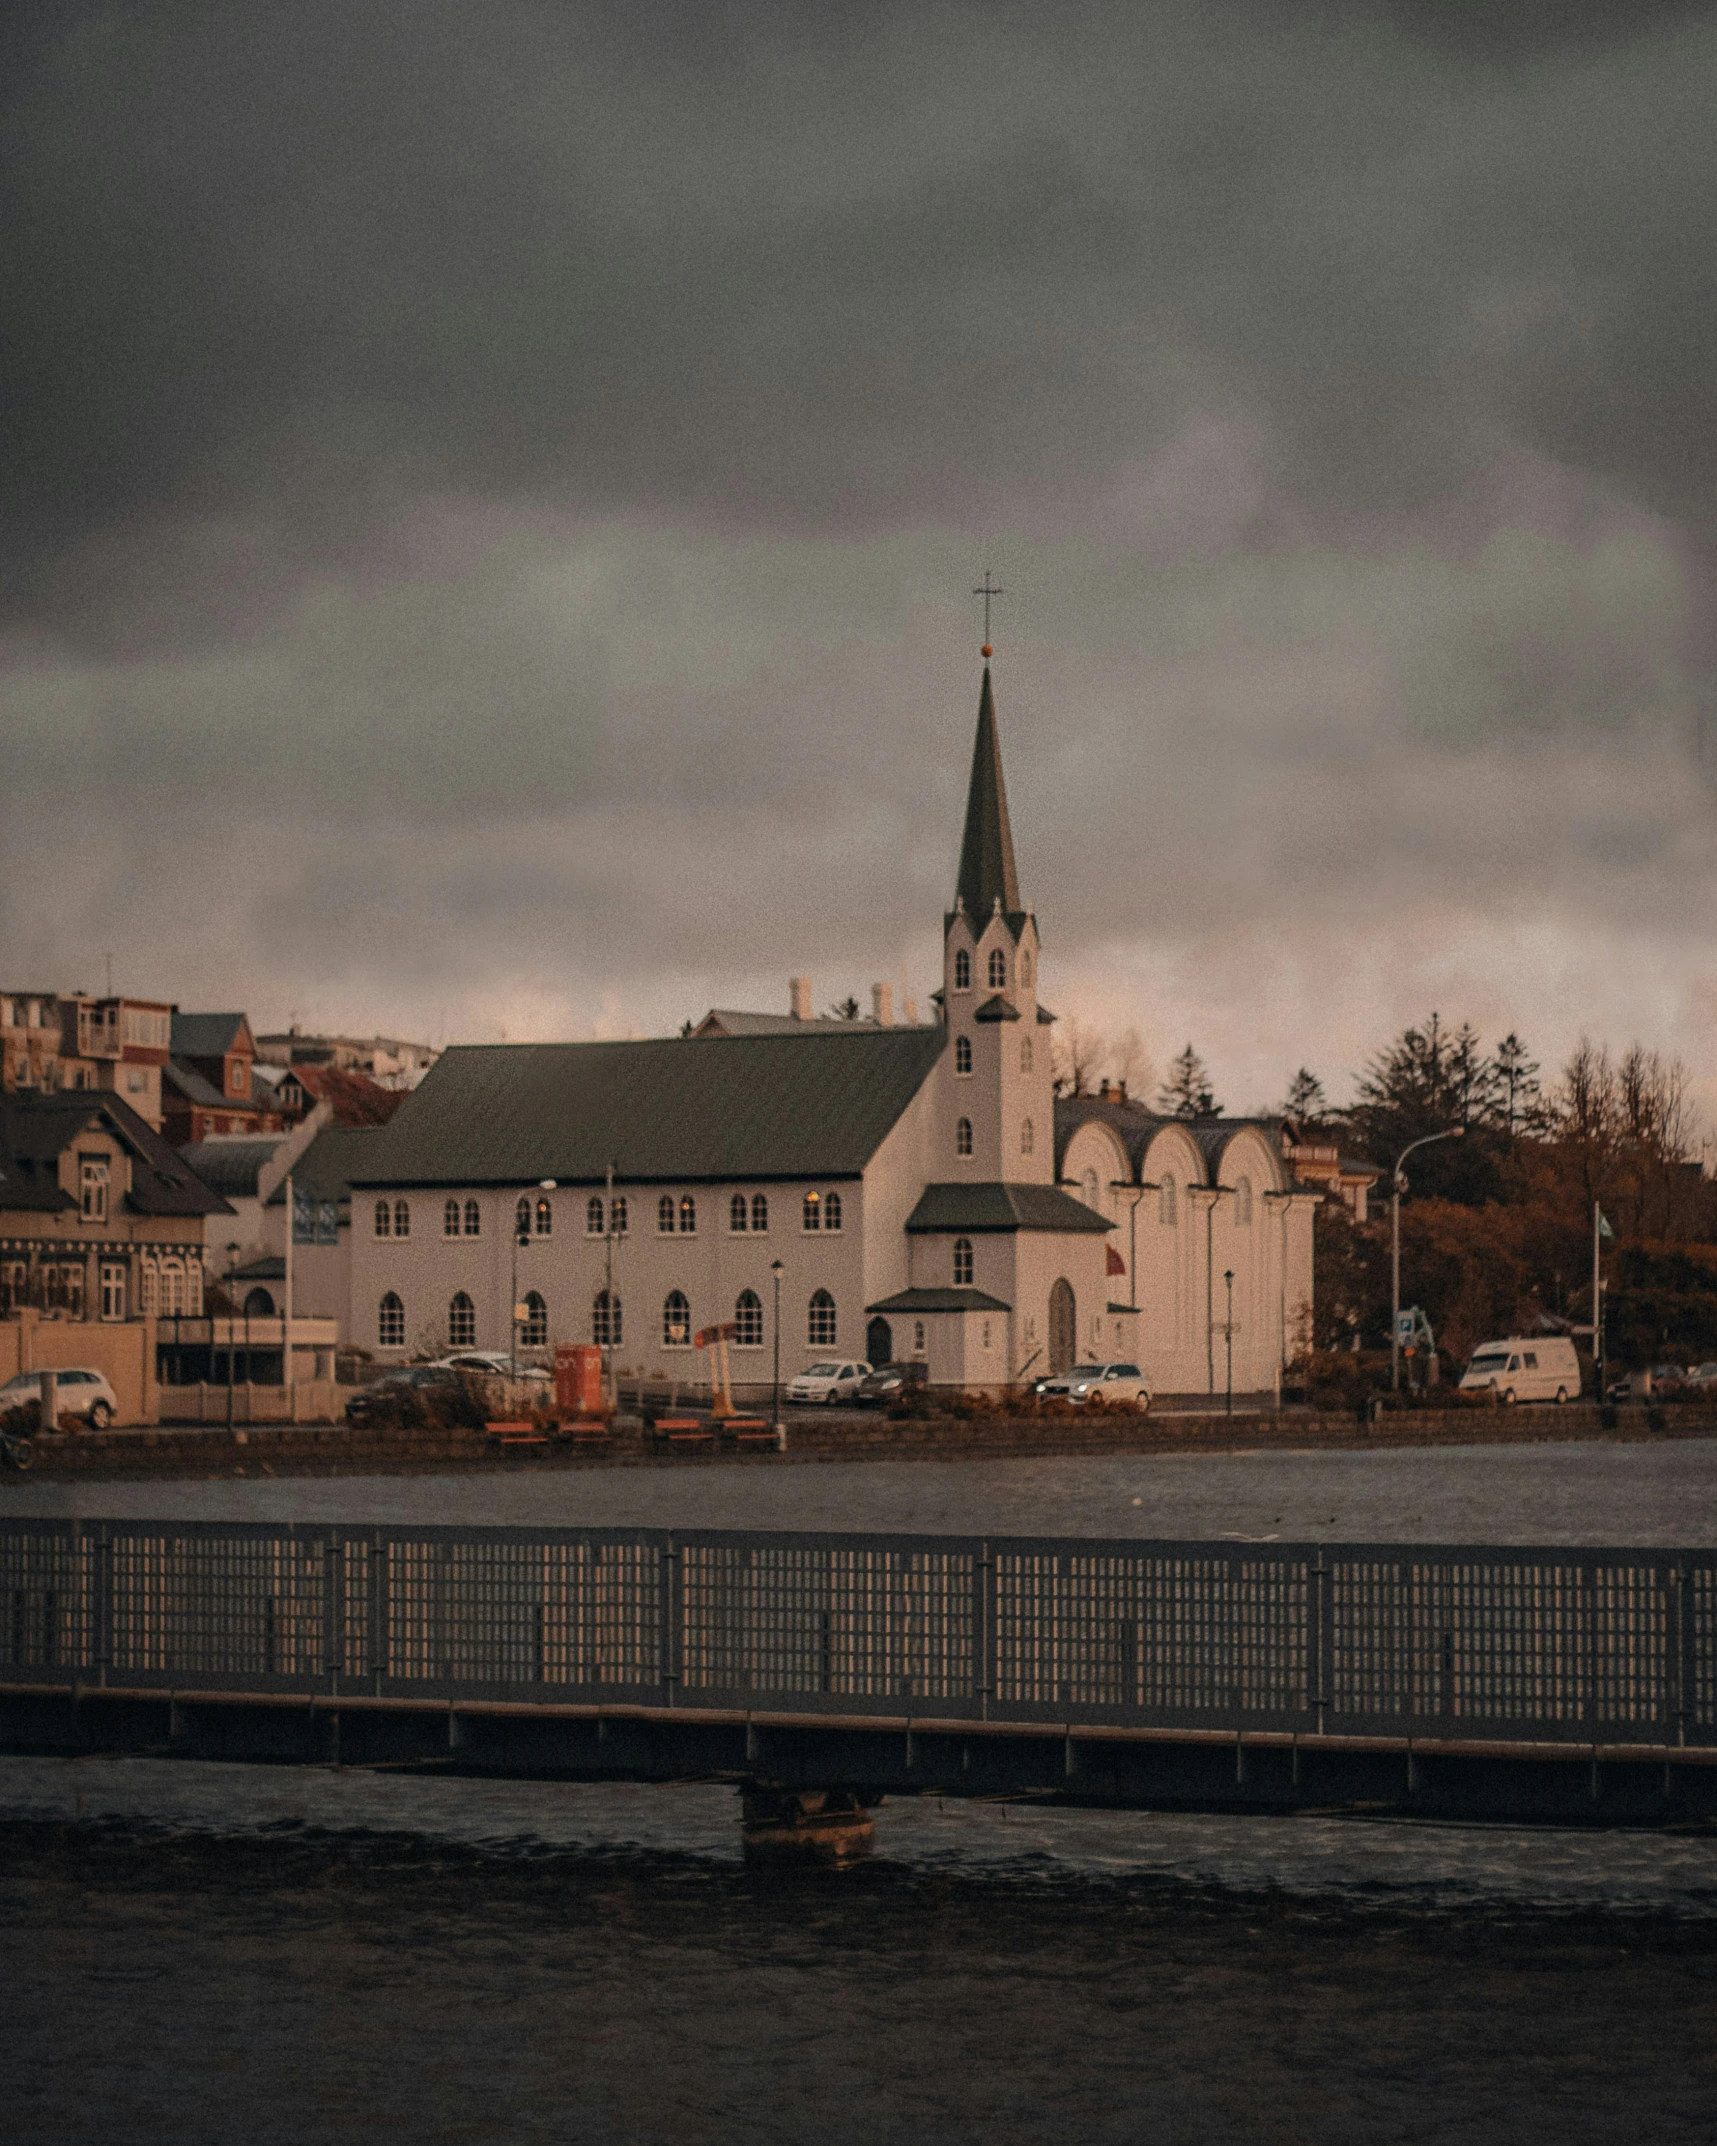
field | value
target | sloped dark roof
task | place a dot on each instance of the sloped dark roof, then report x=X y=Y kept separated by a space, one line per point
x=205 y=1035
x=324 y=1171
x=997 y=1009
x=815 y=1104
x=909 y=1300
x=987 y=869
x=1137 y=1127
x=36 y=1130
x=192 y=1086
x=231 y=1167
x=354 y=1098
x=998 y=1206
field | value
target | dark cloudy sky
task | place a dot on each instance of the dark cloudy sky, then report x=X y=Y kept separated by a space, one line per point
x=489 y=495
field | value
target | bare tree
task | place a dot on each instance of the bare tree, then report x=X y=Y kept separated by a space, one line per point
x=1083 y=1054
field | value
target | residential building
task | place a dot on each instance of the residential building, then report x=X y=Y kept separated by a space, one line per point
x=353 y=1098
x=50 y=1042
x=207 y=1087
x=390 y=1060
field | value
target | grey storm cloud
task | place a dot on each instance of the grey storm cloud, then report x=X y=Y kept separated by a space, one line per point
x=493 y=483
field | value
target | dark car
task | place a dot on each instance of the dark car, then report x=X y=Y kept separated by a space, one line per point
x=889 y=1383
x=363 y=1405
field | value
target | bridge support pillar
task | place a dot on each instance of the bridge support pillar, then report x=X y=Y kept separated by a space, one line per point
x=827 y=1827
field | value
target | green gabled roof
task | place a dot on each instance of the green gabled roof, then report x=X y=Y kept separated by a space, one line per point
x=676 y=1111
x=1001 y=1207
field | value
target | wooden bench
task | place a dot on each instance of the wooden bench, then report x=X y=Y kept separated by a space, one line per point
x=684 y=1431
x=748 y=1431
x=515 y=1434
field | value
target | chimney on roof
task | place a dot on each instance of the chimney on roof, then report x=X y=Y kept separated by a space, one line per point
x=1120 y=1091
x=799 y=997
x=911 y=1013
x=1103 y=1090
x=882 y=1004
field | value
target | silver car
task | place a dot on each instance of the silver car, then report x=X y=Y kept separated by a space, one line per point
x=78 y=1392
x=1106 y=1385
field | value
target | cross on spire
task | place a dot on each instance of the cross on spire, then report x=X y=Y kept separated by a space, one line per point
x=987 y=592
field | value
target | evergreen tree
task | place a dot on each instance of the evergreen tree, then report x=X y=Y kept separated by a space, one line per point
x=1307 y=1103
x=1187 y=1092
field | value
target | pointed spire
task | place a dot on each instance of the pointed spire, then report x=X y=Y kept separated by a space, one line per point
x=988 y=876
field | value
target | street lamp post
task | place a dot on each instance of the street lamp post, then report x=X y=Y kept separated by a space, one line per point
x=1228 y=1339
x=232 y=1262
x=1397 y=1183
x=521 y=1242
x=608 y=1293
x=775 y=1423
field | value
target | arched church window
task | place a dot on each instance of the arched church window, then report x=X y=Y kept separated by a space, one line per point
x=522 y=1219
x=962 y=1054
x=1025 y=1054
x=1089 y=1187
x=1026 y=1137
x=688 y=1215
x=473 y=1219
x=738 y=1214
x=450 y=1219
x=461 y=1322
x=1243 y=1203
x=617 y=1214
x=390 y=1323
x=533 y=1333
x=748 y=1320
x=831 y=1211
x=401 y=1218
x=963 y=1137
x=1024 y=968
x=1166 y=1211
x=545 y=1219
x=665 y=1215
x=593 y=1215
x=811 y=1215
x=962 y=1262
x=998 y=968
x=676 y=1321
x=384 y=1218
x=759 y=1211
x=606 y=1327
x=962 y=971
x=820 y=1328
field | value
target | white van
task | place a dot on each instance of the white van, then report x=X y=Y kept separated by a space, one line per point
x=1540 y=1367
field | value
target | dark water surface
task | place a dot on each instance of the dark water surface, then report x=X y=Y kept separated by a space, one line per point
x=198 y=1953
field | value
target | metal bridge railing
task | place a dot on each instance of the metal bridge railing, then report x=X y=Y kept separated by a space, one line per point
x=1610 y=1646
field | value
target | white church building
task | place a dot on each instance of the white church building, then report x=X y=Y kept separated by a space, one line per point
x=906 y=1192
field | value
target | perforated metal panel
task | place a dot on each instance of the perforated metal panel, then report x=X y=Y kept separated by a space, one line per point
x=216 y=1604
x=46 y=1601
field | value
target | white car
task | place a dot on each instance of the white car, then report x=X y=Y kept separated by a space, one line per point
x=78 y=1392
x=828 y=1383
x=1110 y=1385
x=494 y=1364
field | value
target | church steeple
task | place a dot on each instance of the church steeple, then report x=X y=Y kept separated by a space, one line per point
x=987 y=868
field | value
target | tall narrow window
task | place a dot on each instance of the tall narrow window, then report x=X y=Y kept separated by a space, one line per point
x=998 y=968
x=1026 y=1137
x=665 y=1215
x=401 y=1218
x=962 y=1054
x=738 y=1214
x=759 y=1212
x=390 y=1323
x=811 y=1214
x=92 y=1187
x=545 y=1219
x=748 y=1320
x=820 y=1330
x=593 y=1215
x=1088 y=1186
x=533 y=1332
x=688 y=1215
x=962 y=971
x=473 y=1219
x=605 y=1321
x=1243 y=1203
x=962 y=1262
x=113 y=1291
x=522 y=1218
x=676 y=1321
x=1024 y=968
x=617 y=1214
x=963 y=1137
x=450 y=1219
x=1166 y=1211
x=384 y=1218
x=831 y=1211
x=1025 y=1054
x=461 y=1322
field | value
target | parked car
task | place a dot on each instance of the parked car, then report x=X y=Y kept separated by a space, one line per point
x=888 y=1382
x=1532 y=1367
x=1105 y=1385
x=494 y=1364
x=78 y=1392
x=828 y=1383
x=1702 y=1378
x=362 y=1406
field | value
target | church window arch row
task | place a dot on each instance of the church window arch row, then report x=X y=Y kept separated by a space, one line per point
x=665 y=1215
x=748 y=1320
x=545 y=1218
x=739 y=1214
x=461 y=1322
x=998 y=969
x=473 y=1219
x=607 y=1326
x=533 y=1332
x=963 y=1137
x=1027 y=1137
x=821 y=1326
x=384 y=1218
x=676 y=1320
x=593 y=1225
x=450 y=1219
x=390 y=1322
x=402 y=1218
x=688 y=1215
x=962 y=971
x=962 y=1054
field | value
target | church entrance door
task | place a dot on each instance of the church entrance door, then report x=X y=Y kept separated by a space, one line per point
x=1063 y=1328
x=879 y=1343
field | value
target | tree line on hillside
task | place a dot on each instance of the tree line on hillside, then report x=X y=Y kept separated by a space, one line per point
x=1496 y=1226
